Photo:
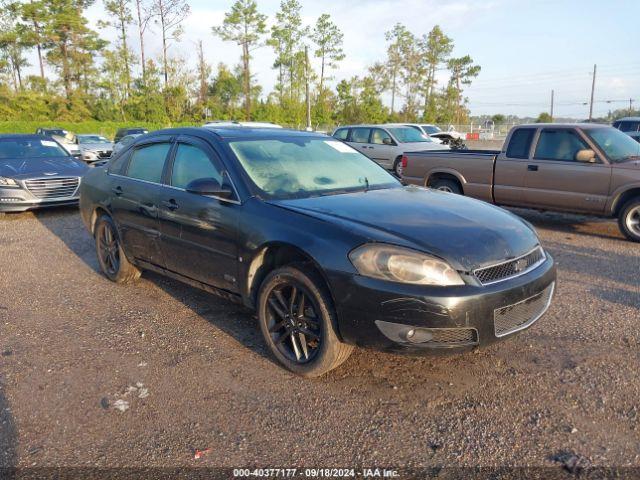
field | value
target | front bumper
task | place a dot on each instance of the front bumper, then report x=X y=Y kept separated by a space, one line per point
x=378 y=314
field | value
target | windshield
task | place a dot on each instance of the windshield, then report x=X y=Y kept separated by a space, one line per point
x=30 y=148
x=627 y=126
x=616 y=145
x=409 y=135
x=92 y=139
x=307 y=167
x=59 y=132
x=431 y=129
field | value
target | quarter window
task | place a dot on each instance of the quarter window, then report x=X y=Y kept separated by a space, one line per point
x=562 y=145
x=360 y=135
x=192 y=163
x=520 y=143
x=147 y=162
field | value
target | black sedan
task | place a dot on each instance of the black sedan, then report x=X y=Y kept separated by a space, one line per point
x=36 y=172
x=330 y=249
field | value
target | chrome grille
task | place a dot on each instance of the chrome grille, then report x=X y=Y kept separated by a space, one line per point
x=54 y=187
x=104 y=153
x=520 y=315
x=510 y=268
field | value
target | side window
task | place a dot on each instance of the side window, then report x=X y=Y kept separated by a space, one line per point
x=562 y=145
x=341 y=134
x=360 y=135
x=380 y=137
x=192 y=163
x=520 y=143
x=147 y=162
x=118 y=163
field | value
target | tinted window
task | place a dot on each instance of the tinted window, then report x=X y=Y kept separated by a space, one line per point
x=559 y=145
x=147 y=162
x=627 y=126
x=360 y=135
x=192 y=163
x=520 y=143
x=379 y=137
x=431 y=129
x=409 y=135
x=341 y=134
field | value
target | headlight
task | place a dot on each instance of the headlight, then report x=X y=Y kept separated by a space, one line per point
x=8 y=182
x=402 y=265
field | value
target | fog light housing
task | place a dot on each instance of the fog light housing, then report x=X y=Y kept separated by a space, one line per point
x=11 y=199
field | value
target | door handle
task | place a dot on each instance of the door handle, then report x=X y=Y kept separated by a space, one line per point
x=117 y=190
x=170 y=204
x=532 y=168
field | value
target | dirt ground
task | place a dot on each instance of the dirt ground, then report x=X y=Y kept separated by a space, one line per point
x=98 y=374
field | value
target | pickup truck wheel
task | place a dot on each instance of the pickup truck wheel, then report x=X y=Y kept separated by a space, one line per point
x=446 y=185
x=298 y=322
x=629 y=220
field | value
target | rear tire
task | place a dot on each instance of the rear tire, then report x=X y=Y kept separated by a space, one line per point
x=629 y=219
x=397 y=167
x=299 y=323
x=111 y=257
x=446 y=185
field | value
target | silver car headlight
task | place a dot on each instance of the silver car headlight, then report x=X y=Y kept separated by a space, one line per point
x=89 y=155
x=403 y=265
x=8 y=182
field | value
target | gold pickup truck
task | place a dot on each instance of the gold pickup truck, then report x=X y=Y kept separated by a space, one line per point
x=580 y=168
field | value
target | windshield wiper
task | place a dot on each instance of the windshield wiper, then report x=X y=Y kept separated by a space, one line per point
x=366 y=184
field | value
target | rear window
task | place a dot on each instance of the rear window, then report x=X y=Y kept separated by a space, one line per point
x=520 y=143
x=341 y=134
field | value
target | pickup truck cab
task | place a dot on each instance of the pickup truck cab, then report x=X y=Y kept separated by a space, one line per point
x=581 y=168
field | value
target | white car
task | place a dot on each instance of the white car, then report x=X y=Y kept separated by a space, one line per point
x=385 y=144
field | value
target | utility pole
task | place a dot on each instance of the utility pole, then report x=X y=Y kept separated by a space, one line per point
x=593 y=88
x=630 y=106
x=308 y=96
x=551 y=105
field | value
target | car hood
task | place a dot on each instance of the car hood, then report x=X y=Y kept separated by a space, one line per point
x=421 y=146
x=21 y=168
x=93 y=147
x=466 y=232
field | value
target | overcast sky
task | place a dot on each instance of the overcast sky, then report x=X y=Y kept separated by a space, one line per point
x=525 y=48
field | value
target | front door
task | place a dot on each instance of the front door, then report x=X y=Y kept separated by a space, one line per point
x=556 y=179
x=382 y=148
x=199 y=233
x=135 y=196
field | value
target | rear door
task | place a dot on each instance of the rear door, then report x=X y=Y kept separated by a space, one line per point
x=556 y=179
x=359 y=139
x=383 y=153
x=199 y=233
x=136 y=193
x=511 y=167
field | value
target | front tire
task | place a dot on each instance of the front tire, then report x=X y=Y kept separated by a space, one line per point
x=111 y=257
x=629 y=220
x=298 y=322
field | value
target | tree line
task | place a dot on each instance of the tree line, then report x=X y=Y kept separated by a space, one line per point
x=94 y=79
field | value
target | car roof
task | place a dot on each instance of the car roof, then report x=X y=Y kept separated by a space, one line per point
x=234 y=132
x=628 y=119
x=571 y=125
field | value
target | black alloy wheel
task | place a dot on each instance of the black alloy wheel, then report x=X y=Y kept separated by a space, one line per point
x=108 y=249
x=293 y=322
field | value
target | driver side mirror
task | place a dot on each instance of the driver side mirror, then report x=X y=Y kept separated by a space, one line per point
x=586 y=156
x=209 y=186
x=387 y=141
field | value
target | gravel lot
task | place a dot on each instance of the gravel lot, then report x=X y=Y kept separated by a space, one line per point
x=195 y=374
